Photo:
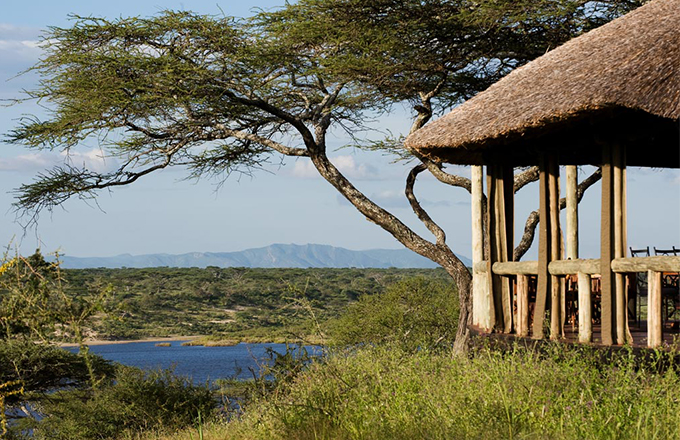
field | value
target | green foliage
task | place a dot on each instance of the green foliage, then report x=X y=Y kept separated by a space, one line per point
x=42 y=368
x=216 y=94
x=137 y=401
x=415 y=313
x=406 y=49
x=34 y=301
x=382 y=392
x=237 y=304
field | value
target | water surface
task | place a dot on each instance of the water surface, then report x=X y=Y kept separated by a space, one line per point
x=197 y=362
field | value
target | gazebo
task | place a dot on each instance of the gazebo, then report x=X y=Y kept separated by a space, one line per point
x=609 y=98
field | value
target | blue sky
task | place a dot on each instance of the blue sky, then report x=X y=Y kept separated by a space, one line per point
x=287 y=204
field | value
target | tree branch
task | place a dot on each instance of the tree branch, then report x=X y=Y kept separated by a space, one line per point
x=288 y=151
x=422 y=215
x=524 y=178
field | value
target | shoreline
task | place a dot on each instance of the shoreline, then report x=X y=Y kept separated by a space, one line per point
x=93 y=342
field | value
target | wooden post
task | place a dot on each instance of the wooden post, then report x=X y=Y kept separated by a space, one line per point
x=654 y=323
x=572 y=212
x=619 y=251
x=497 y=176
x=585 y=308
x=543 y=251
x=482 y=306
x=607 y=284
x=508 y=245
x=556 y=308
x=522 y=305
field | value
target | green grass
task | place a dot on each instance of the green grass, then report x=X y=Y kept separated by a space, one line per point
x=382 y=393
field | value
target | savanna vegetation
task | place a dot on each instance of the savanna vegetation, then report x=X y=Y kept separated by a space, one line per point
x=47 y=392
x=230 y=305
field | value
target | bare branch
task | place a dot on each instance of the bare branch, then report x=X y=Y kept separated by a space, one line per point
x=524 y=178
x=422 y=215
x=450 y=179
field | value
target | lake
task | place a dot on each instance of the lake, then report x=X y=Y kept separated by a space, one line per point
x=197 y=362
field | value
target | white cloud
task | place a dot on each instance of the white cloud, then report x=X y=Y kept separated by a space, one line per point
x=93 y=160
x=304 y=169
x=348 y=166
x=19 y=47
x=29 y=162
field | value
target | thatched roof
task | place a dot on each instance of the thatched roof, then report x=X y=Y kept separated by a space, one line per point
x=619 y=83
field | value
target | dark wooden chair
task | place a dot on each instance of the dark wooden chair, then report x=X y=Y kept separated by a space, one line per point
x=642 y=252
x=638 y=283
x=670 y=287
x=667 y=252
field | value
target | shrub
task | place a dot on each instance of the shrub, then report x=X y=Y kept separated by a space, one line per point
x=384 y=393
x=138 y=401
x=42 y=367
x=416 y=313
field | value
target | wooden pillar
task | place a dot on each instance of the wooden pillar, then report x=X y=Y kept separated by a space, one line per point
x=572 y=212
x=613 y=241
x=500 y=249
x=585 y=308
x=556 y=297
x=522 y=325
x=619 y=165
x=548 y=247
x=483 y=315
x=654 y=322
x=607 y=284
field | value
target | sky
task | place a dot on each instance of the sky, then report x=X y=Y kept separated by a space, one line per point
x=287 y=203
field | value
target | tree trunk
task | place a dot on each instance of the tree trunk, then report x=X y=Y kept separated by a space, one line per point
x=463 y=281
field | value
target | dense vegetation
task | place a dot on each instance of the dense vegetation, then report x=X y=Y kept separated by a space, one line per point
x=384 y=393
x=50 y=393
x=232 y=304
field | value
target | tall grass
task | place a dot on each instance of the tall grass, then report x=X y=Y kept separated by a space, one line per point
x=381 y=393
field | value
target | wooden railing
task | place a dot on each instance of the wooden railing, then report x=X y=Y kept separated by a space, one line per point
x=584 y=269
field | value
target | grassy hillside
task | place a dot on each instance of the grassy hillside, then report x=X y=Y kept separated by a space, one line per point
x=229 y=303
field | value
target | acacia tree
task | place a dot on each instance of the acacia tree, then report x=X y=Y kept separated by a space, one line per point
x=219 y=95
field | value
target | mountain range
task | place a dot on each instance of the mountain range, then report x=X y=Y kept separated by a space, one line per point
x=275 y=255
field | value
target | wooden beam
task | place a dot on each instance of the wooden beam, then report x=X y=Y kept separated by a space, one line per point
x=516 y=268
x=589 y=266
x=643 y=264
x=570 y=267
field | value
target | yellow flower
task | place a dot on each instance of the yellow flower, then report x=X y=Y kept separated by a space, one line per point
x=8 y=265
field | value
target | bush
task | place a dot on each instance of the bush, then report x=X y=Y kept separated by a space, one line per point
x=42 y=367
x=416 y=313
x=138 y=401
x=384 y=393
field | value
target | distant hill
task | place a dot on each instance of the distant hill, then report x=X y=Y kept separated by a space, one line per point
x=275 y=255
